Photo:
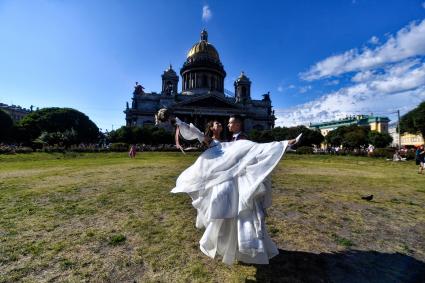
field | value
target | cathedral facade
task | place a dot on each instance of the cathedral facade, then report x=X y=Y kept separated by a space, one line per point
x=203 y=97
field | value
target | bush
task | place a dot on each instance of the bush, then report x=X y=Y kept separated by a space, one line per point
x=357 y=153
x=383 y=152
x=305 y=150
x=23 y=149
x=118 y=147
x=53 y=148
x=10 y=149
x=65 y=138
x=4 y=149
x=410 y=155
x=87 y=148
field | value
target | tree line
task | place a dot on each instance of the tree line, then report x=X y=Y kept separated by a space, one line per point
x=54 y=125
x=356 y=137
x=67 y=126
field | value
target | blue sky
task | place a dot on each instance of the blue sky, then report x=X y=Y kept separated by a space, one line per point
x=320 y=60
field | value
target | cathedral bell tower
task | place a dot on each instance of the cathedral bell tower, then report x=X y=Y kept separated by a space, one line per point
x=170 y=81
x=242 y=89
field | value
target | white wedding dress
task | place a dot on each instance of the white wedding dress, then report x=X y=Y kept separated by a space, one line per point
x=230 y=188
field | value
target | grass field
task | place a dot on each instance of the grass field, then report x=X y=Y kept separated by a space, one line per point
x=104 y=217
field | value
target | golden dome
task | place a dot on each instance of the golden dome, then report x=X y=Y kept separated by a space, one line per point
x=204 y=47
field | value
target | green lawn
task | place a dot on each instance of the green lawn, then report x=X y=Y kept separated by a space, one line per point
x=104 y=217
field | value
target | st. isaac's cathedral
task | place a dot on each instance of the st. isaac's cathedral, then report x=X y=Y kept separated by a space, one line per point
x=203 y=96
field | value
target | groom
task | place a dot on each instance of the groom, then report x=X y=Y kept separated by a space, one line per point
x=235 y=127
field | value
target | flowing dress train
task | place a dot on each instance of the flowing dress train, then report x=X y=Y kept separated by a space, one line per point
x=230 y=188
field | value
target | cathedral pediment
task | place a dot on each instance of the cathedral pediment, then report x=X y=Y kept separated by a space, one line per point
x=208 y=101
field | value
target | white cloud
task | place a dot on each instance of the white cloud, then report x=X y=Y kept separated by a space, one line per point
x=206 y=13
x=362 y=76
x=400 y=78
x=282 y=87
x=304 y=89
x=387 y=77
x=332 y=82
x=398 y=86
x=407 y=43
x=374 y=40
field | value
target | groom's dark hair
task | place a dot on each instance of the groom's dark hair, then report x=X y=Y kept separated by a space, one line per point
x=237 y=118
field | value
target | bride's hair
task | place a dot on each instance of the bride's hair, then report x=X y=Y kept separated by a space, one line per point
x=208 y=131
x=163 y=115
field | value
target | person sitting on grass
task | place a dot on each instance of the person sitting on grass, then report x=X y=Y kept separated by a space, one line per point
x=397 y=156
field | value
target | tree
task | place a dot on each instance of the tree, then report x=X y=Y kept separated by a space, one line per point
x=6 y=125
x=53 y=120
x=65 y=138
x=280 y=133
x=378 y=139
x=261 y=136
x=310 y=137
x=414 y=121
x=123 y=134
x=147 y=135
x=161 y=136
x=356 y=137
x=335 y=137
x=351 y=137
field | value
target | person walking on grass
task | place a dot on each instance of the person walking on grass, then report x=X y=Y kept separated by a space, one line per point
x=420 y=158
x=132 y=152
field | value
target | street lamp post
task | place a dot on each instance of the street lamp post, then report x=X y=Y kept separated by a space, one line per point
x=398 y=127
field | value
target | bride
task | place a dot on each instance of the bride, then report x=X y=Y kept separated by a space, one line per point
x=230 y=188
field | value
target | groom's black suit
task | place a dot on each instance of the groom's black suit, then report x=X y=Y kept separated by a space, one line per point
x=241 y=136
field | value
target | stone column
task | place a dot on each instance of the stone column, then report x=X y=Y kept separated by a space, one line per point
x=183 y=82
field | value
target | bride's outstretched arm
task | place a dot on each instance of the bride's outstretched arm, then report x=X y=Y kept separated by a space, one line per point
x=189 y=131
x=294 y=141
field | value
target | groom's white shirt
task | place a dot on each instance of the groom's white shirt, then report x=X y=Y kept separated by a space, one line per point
x=235 y=136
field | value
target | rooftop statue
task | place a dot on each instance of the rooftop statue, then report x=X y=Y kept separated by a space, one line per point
x=138 y=89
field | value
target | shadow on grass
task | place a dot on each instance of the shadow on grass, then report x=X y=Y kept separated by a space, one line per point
x=348 y=266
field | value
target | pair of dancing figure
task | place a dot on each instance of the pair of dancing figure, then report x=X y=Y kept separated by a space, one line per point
x=214 y=129
x=230 y=188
